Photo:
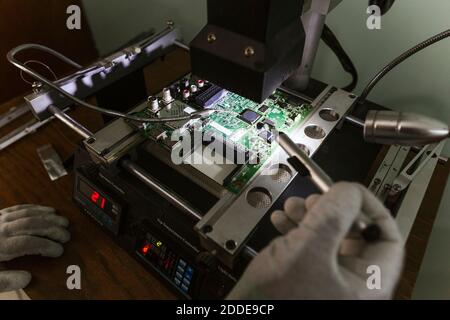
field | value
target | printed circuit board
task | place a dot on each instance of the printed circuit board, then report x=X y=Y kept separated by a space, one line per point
x=246 y=128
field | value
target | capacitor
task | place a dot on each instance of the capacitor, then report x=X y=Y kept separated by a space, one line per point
x=200 y=83
x=167 y=96
x=154 y=103
x=194 y=88
x=186 y=94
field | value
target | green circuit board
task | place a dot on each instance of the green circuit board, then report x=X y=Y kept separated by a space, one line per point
x=283 y=114
x=248 y=127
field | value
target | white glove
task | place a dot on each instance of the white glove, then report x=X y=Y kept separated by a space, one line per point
x=29 y=230
x=308 y=261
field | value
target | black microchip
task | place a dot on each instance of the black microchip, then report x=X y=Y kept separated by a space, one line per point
x=263 y=108
x=249 y=116
x=207 y=97
x=282 y=105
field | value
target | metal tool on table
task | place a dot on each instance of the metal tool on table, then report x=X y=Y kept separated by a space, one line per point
x=301 y=162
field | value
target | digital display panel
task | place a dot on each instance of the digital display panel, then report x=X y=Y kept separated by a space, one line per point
x=97 y=198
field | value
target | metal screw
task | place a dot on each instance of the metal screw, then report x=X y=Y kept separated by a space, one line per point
x=130 y=53
x=170 y=23
x=207 y=229
x=36 y=86
x=231 y=244
x=249 y=51
x=375 y=184
x=137 y=50
x=109 y=65
x=211 y=37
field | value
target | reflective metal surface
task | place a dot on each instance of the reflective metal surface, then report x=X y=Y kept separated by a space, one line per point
x=52 y=162
x=407 y=129
x=226 y=222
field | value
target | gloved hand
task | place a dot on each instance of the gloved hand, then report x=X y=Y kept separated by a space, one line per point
x=29 y=230
x=308 y=261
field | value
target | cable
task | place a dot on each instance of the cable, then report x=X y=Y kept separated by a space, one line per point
x=330 y=39
x=39 y=63
x=11 y=58
x=419 y=47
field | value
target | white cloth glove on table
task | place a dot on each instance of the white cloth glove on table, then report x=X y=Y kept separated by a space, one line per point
x=307 y=262
x=29 y=230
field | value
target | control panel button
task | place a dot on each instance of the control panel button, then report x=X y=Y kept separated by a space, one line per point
x=186 y=282
x=188 y=276
x=182 y=263
x=180 y=270
x=189 y=270
x=184 y=288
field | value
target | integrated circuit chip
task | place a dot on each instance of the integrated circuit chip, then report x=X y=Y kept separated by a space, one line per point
x=263 y=108
x=244 y=141
x=210 y=96
x=249 y=116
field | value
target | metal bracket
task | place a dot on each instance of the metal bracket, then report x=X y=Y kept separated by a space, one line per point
x=12 y=115
x=23 y=131
x=383 y=181
x=415 y=166
x=226 y=228
x=313 y=22
x=44 y=103
x=90 y=80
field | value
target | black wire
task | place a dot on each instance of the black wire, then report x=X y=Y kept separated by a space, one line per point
x=330 y=39
x=419 y=47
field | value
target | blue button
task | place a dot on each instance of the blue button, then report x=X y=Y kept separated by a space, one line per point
x=177 y=282
x=182 y=263
x=184 y=288
x=190 y=271
x=186 y=282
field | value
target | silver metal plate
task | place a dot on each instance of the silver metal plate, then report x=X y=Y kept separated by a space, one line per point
x=52 y=162
x=228 y=225
x=114 y=140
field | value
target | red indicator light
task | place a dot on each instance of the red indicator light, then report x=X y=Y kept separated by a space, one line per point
x=146 y=248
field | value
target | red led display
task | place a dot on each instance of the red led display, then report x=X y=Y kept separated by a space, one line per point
x=146 y=249
x=98 y=199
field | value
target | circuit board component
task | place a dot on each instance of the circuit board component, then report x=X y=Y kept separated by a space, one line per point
x=243 y=135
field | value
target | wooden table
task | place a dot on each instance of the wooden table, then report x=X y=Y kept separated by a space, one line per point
x=107 y=271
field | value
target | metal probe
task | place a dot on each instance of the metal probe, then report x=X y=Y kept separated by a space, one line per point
x=370 y=231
